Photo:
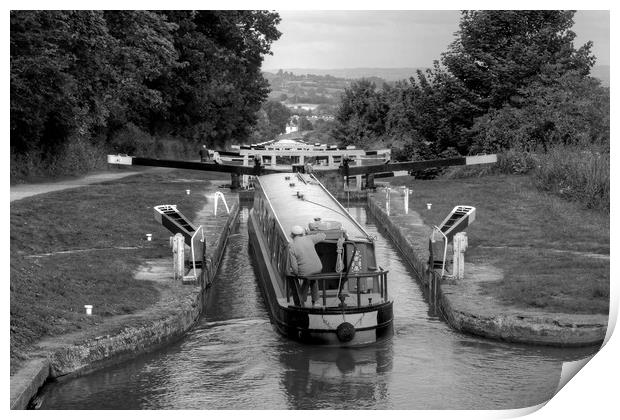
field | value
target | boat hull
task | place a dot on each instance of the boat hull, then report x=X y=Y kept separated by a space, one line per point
x=342 y=327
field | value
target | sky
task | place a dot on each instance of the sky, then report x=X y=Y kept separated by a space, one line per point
x=331 y=39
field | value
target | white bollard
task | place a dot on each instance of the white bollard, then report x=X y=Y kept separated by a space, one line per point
x=188 y=192
x=387 y=201
x=149 y=236
x=459 y=245
x=428 y=206
x=89 y=309
x=406 y=200
x=178 y=256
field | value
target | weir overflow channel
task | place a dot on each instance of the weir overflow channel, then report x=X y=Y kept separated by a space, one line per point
x=234 y=359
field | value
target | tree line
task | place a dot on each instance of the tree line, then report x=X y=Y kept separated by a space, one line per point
x=92 y=81
x=510 y=80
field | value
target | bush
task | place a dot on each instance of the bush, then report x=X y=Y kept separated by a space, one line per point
x=132 y=141
x=577 y=174
x=77 y=156
x=516 y=162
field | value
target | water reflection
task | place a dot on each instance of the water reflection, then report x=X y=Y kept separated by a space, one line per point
x=347 y=378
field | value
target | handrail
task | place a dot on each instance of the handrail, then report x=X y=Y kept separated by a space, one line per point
x=219 y=194
x=200 y=229
x=445 y=248
x=380 y=275
x=329 y=276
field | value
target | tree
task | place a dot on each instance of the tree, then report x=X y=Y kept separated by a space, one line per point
x=52 y=55
x=571 y=110
x=278 y=115
x=497 y=52
x=215 y=95
x=495 y=57
x=74 y=71
x=362 y=113
x=272 y=119
x=143 y=51
x=305 y=124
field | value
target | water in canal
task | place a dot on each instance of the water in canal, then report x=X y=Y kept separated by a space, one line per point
x=233 y=359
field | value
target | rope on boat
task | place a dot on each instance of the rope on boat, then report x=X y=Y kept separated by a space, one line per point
x=327 y=207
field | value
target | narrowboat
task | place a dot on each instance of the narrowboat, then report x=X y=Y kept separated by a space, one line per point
x=353 y=307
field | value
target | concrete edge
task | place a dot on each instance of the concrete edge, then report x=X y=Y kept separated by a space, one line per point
x=506 y=327
x=37 y=373
x=130 y=342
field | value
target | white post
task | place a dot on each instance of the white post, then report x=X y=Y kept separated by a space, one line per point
x=273 y=160
x=178 y=256
x=301 y=159
x=406 y=200
x=387 y=201
x=458 y=262
x=330 y=161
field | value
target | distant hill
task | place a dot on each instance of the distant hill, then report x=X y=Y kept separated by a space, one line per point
x=387 y=74
x=394 y=74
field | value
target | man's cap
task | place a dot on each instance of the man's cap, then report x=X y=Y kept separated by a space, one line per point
x=297 y=230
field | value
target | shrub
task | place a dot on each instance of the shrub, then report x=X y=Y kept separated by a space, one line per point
x=132 y=141
x=577 y=174
x=77 y=156
x=515 y=161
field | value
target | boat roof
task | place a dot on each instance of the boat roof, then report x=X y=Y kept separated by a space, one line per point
x=317 y=202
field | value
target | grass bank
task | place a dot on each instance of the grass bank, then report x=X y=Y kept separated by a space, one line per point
x=80 y=246
x=548 y=248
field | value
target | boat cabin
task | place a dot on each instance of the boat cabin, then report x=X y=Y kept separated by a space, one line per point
x=350 y=276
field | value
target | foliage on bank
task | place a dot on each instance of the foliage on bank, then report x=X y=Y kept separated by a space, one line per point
x=513 y=83
x=83 y=78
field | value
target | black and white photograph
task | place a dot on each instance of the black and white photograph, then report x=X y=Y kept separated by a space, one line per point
x=263 y=208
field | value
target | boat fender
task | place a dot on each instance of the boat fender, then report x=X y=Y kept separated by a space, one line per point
x=339 y=250
x=345 y=332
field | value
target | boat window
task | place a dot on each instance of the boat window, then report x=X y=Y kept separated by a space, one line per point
x=274 y=247
x=266 y=222
x=271 y=234
x=283 y=258
x=259 y=210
